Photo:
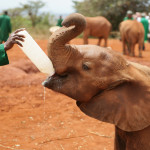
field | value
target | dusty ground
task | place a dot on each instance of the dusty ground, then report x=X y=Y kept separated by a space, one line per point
x=28 y=122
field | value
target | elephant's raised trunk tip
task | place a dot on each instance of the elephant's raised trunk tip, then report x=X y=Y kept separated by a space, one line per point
x=75 y=19
x=73 y=25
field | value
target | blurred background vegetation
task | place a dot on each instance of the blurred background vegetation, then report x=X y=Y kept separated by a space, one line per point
x=37 y=22
x=31 y=17
x=113 y=10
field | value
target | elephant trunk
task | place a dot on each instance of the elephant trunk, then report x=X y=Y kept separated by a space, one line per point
x=58 y=51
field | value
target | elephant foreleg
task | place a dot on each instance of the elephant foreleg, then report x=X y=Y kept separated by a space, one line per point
x=140 y=49
x=143 y=48
x=105 y=45
x=85 y=38
x=124 y=47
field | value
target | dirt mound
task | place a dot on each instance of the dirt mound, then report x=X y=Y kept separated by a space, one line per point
x=10 y=73
x=19 y=73
x=26 y=65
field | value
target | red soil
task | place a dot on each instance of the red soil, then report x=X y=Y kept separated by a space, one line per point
x=30 y=123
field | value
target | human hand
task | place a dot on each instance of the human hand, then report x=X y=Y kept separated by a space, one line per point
x=14 y=38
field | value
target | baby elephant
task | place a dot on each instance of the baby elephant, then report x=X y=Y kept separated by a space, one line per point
x=98 y=27
x=105 y=85
x=132 y=32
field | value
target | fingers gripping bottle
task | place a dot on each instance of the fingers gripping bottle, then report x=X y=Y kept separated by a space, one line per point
x=36 y=54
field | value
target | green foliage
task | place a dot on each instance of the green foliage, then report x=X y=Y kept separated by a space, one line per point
x=46 y=19
x=114 y=10
x=20 y=22
x=29 y=16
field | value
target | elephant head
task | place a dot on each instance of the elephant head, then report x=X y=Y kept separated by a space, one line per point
x=105 y=85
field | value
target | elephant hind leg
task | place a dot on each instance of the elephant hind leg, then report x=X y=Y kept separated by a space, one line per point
x=99 y=41
x=132 y=47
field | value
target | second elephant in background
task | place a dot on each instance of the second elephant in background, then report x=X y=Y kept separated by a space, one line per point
x=132 y=33
x=98 y=27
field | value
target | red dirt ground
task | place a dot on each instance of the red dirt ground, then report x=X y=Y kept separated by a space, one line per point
x=27 y=122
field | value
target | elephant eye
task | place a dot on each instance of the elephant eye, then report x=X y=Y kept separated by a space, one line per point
x=85 y=67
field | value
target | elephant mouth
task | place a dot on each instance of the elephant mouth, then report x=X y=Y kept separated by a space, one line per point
x=79 y=103
x=54 y=81
x=46 y=82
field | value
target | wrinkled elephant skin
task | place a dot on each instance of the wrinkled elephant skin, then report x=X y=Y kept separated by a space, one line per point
x=105 y=85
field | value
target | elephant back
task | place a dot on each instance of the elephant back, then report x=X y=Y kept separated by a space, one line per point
x=98 y=26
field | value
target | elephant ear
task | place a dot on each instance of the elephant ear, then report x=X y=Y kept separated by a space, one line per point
x=127 y=106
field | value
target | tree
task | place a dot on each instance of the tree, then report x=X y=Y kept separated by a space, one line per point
x=32 y=8
x=114 y=10
x=13 y=12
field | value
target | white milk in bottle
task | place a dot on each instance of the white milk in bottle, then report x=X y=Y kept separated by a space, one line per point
x=36 y=54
